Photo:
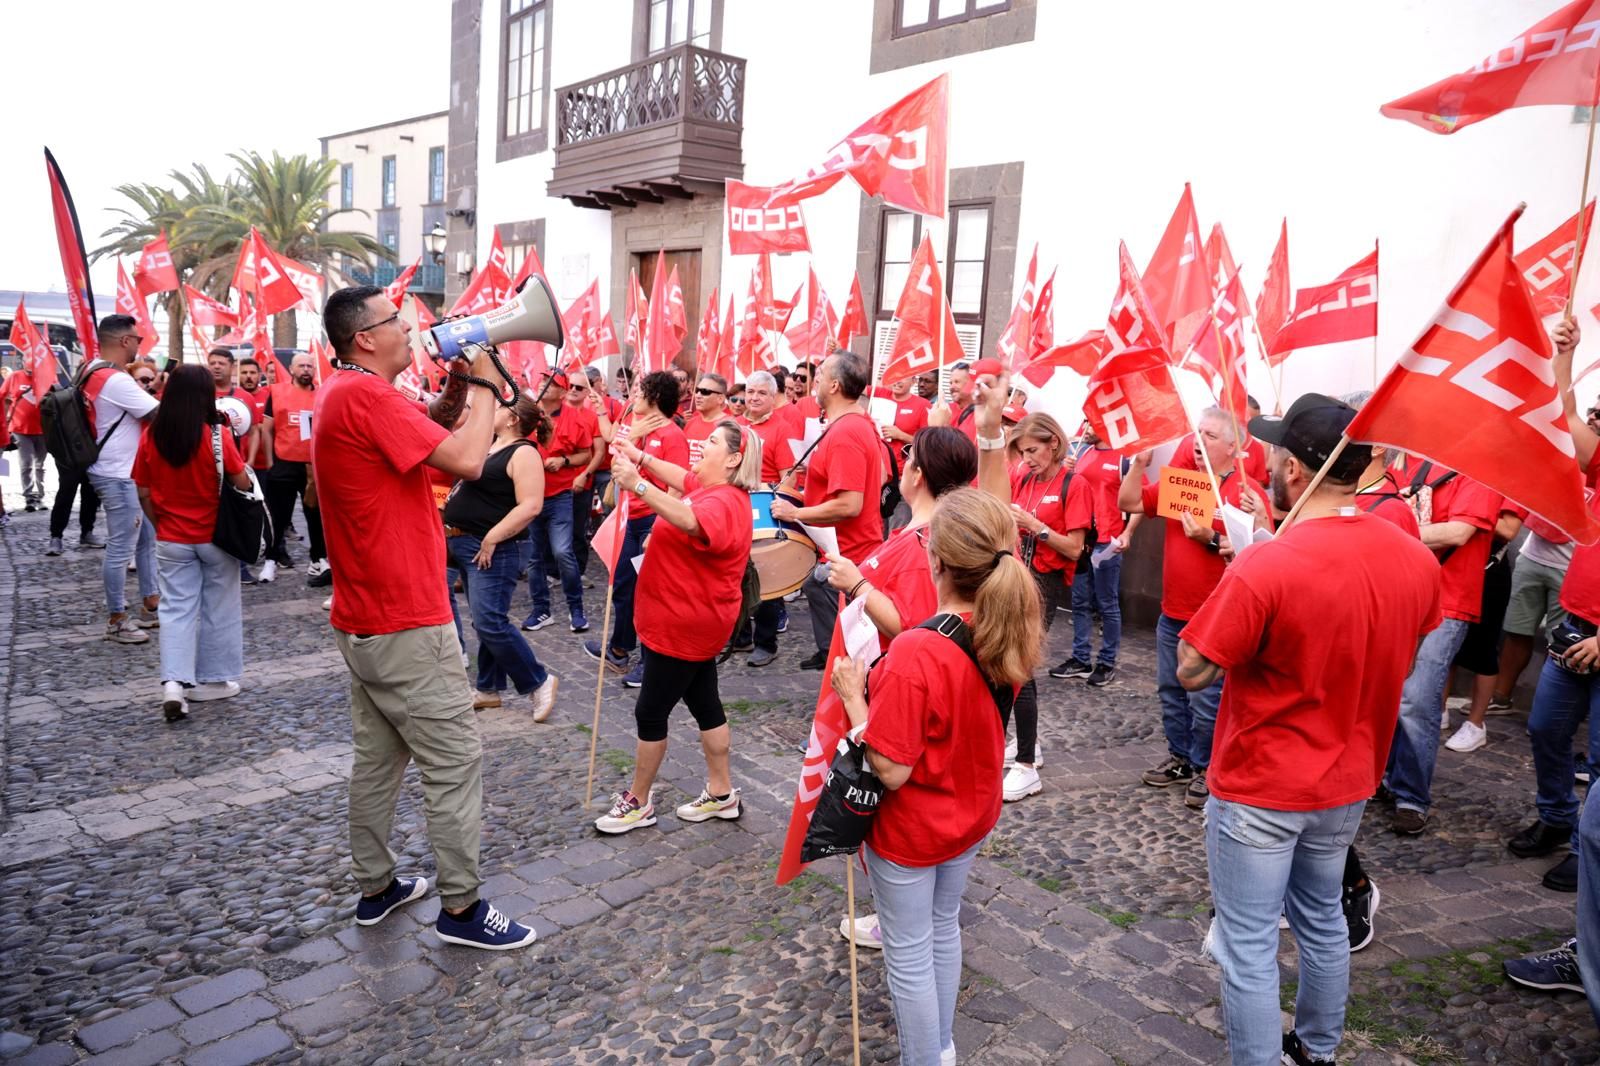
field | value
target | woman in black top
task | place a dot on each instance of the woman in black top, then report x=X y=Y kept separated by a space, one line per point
x=487 y=524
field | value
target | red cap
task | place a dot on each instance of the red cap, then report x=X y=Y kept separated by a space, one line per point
x=558 y=378
x=1014 y=412
x=987 y=366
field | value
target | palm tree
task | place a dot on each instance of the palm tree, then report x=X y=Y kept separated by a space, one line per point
x=286 y=199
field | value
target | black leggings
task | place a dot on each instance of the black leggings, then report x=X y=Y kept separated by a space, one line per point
x=668 y=680
x=68 y=486
x=1053 y=591
x=285 y=482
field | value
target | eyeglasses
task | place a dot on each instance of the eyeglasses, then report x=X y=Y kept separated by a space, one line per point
x=708 y=392
x=145 y=381
x=375 y=325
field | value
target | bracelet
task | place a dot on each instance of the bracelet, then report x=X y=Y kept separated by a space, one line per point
x=991 y=444
x=644 y=460
x=856 y=589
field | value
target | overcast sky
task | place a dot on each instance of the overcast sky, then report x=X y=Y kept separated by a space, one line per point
x=128 y=92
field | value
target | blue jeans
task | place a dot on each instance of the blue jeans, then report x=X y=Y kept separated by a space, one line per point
x=1416 y=737
x=129 y=535
x=1560 y=703
x=553 y=530
x=1099 y=586
x=1589 y=899
x=582 y=503
x=1265 y=863
x=919 y=915
x=503 y=652
x=623 y=636
x=202 y=624
x=1188 y=718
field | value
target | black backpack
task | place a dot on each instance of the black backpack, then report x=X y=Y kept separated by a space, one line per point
x=64 y=416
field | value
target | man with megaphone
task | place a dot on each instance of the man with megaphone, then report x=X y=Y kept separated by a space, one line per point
x=409 y=695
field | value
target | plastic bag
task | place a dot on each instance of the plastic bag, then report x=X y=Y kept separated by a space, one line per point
x=850 y=796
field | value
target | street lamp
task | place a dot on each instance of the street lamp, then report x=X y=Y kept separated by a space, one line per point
x=434 y=241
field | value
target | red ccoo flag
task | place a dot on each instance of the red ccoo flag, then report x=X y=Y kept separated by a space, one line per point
x=754 y=227
x=1477 y=393
x=922 y=313
x=1080 y=356
x=1015 y=346
x=677 y=315
x=1044 y=324
x=1219 y=258
x=753 y=351
x=1176 y=278
x=722 y=360
x=204 y=311
x=1218 y=352
x=492 y=286
x=395 y=291
x=38 y=358
x=74 y=263
x=808 y=340
x=155 y=272
x=261 y=275
x=1133 y=403
x=854 y=322
x=1556 y=61
x=605 y=337
x=660 y=347
x=129 y=302
x=1272 y=306
x=707 y=337
x=828 y=724
x=1345 y=309
x=1547 y=264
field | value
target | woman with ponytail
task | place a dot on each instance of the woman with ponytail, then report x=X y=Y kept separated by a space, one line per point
x=933 y=712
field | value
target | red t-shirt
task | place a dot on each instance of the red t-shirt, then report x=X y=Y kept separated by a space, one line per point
x=1462 y=500
x=667 y=444
x=695 y=430
x=1063 y=503
x=1253 y=460
x=1580 y=589
x=910 y=415
x=385 y=540
x=1388 y=505
x=849 y=459
x=185 y=497
x=689 y=587
x=576 y=429
x=615 y=409
x=1316 y=630
x=806 y=407
x=288 y=405
x=929 y=709
x=258 y=401
x=24 y=405
x=1101 y=468
x=899 y=570
x=1189 y=569
x=775 y=433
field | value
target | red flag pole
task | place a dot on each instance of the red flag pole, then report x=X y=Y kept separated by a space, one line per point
x=1377 y=281
x=1583 y=200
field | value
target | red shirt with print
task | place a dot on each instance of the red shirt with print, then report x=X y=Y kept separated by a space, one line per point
x=668 y=444
x=24 y=405
x=1461 y=500
x=258 y=401
x=385 y=540
x=929 y=709
x=1101 y=469
x=1063 y=503
x=848 y=459
x=291 y=409
x=775 y=431
x=1189 y=569
x=899 y=570
x=689 y=587
x=1580 y=589
x=184 y=498
x=1316 y=630
x=576 y=429
x=695 y=430
x=910 y=415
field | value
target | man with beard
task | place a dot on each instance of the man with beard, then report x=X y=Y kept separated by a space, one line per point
x=287 y=424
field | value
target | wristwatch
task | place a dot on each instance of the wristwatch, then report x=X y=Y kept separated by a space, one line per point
x=1044 y=533
x=991 y=444
x=638 y=490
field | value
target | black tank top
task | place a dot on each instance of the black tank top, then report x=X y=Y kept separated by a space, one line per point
x=476 y=507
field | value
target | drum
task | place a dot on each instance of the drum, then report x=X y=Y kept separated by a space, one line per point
x=782 y=552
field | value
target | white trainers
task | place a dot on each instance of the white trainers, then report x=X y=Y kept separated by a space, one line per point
x=173 y=705
x=868 y=935
x=327 y=604
x=1468 y=738
x=627 y=813
x=317 y=568
x=706 y=806
x=126 y=631
x=214 y=690
x=1020 y=782
x=268 y=573
x=1444 y=720
x=544 y=698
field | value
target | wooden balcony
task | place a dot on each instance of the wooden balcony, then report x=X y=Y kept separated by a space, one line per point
x=669 y=127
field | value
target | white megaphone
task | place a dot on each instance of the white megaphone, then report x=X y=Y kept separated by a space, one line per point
x=530 y=315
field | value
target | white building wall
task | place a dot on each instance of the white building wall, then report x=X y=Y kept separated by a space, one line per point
x=1269 y=110
x=411 y=178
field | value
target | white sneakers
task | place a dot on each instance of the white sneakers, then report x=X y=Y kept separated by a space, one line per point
x=1468 y=738
x=173 y=705
x=268 y=573
x=544 y=698
x=214 y=690
x=867 y=933
x=327 y=604
x=1020 y=782
x=126 y=631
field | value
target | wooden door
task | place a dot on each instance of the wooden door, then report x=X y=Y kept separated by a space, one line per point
x=688 y=263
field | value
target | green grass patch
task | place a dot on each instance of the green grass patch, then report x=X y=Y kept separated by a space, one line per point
x=620 y=762
x=725 y=950
x=740 y=710
x=580 y=727
x=1049 y=884
x=1120 y=919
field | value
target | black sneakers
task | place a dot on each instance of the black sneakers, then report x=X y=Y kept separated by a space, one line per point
x=1540 y=838
x=1407 y=822
x=1102 y=675
x=814 y=662
x=1172 y=771
x=1295 y=1054
x=1563 y=876
x=1360 y=907
x=1072 y=668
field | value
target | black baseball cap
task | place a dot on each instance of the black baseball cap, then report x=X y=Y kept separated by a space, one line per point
x=1311 y=431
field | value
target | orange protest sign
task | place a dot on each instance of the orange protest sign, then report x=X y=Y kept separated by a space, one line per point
x=1184 y=490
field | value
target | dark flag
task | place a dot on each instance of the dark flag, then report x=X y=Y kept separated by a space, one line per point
x=74 y=263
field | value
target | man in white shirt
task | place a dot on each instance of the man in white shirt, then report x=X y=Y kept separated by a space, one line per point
x=118 y=409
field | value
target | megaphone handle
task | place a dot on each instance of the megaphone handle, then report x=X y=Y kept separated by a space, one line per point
x=473 y=379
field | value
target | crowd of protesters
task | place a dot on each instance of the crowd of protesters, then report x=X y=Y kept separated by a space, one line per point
x=1292 y=694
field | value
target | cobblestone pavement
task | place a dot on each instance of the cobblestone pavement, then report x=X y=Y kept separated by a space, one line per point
x=181 y=893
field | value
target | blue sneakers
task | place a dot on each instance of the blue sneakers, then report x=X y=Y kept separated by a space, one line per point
x=616 y=662
x=484 y=928
x=634 y=678
x=783 y=619
x=1550 y=971
x=580 y=622
x=537 y=622
x=402 y=890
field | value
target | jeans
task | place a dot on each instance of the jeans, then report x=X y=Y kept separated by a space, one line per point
x=919 y=915
x=30 y=450
x=1560 y=703
x=202 y=624
x=69 y=485
x=823 y=600
x=1265 y=863
x=1589 y=900
x=129 y=535
x=1188 y=718
x=283 y=484
x=1052 y=590
x=552 y=530
x=1098 y=586
x=1416 y=737
x=503 y=652
x=623 y=636
x=582 y=505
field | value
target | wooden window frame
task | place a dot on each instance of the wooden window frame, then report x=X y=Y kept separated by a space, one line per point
x=641 y=28
x=972 y=12
x=537 y=138
x=347 y=186
x=388 y=182
x=437 y=151
x=886 y=301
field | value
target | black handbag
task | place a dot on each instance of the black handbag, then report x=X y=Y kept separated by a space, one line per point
x=242 y=520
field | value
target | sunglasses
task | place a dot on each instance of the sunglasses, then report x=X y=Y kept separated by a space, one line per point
x=707 y=392
x=145 y=381
x=579 y=388
x=736 y=399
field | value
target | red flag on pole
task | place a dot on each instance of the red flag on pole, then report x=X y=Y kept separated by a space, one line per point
x=921 y=313
x=1546 y=265
x=1218 y=351
x=396 y=289
x=1080 y=356
x=262 y=275
x=707 y=337
x=1345 y=309
x=809 y=339
x=1552 y=62
x=74 y=263
x=754 y=349
x=659 y=347
x=754 y=227
x=204 y=311
x=1015 y=346
x=1219 y=258
x=129 y=302
x=899 y=153
x=323 y=365
x=579 y=320
x=722 y=361
x=854 y=322
x=1477 y=393
x=1272 y=306
x=38 y=358
x=1043 y=329
x=1176 y=279
x=1133 y=402
x=155 y=272
x=309 y=281
x=828 y=724
x=490 y=288
x=677 y=316
x=605 y=337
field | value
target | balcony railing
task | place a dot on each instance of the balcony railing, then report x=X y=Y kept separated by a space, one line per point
x=670 y=125
x=428 y=278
